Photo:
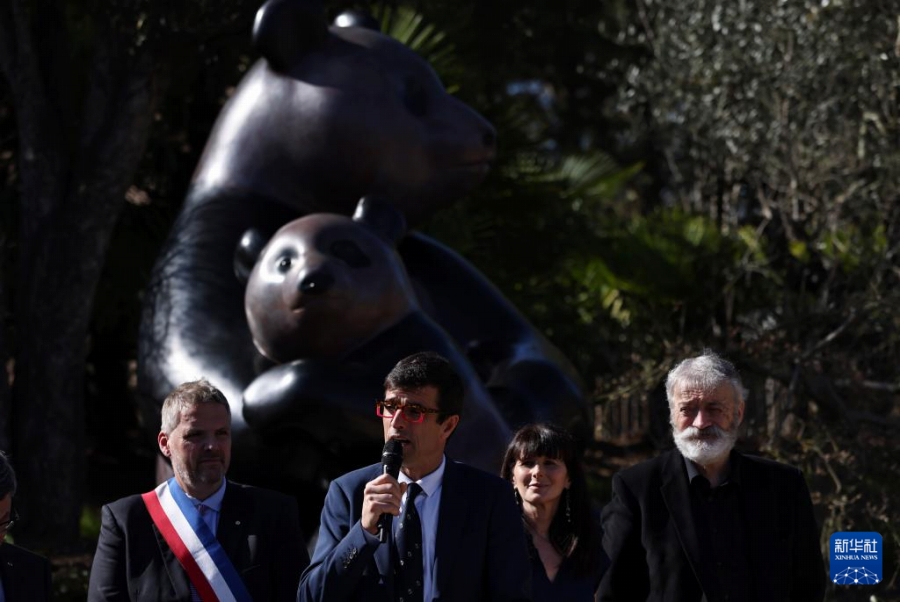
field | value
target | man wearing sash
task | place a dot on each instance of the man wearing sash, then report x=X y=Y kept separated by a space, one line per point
x=198 y=536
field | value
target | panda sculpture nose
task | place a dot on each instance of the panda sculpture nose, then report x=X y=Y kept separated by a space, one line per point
x=316 y=283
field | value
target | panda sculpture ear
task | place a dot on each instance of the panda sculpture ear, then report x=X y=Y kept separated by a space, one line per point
x=285 y=30
x=247 y=253
x=379 y=215
x=357 y=18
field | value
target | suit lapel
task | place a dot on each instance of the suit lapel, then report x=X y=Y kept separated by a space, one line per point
x=452 y=515
x=232 y=529
x=677 y=498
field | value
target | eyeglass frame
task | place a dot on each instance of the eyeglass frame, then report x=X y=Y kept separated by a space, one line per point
x=402 y=408
x=6 y=525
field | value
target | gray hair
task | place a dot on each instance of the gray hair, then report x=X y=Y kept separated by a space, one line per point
x=186 y=396
x=7 y=477
x=706 y=371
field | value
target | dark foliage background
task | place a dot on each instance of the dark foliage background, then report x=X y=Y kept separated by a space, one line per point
x=672 y=175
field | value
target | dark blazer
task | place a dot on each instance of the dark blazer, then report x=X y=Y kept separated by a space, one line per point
x=258 y=529
x=650 y=536
x=480 y=551
x=25 y=575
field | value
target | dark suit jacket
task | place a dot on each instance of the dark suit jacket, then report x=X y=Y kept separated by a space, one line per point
x=25 y=575
x=480 y=551
x=650 y=536
x=258 y=529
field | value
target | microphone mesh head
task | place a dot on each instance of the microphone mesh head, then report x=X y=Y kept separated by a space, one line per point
x=392 y=452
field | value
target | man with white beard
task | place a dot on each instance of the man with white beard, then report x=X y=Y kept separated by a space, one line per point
x=704 y=522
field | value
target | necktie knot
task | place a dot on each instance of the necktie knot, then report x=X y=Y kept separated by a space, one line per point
x=412 y=490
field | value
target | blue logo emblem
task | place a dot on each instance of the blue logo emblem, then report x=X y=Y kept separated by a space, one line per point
x=856 y=558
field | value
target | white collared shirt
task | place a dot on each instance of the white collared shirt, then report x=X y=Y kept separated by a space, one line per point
x=428 y=504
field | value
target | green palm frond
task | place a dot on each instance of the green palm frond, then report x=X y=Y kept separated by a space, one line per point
x=411 y=29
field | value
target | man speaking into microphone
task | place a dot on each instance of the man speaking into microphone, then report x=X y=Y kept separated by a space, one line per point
x=457 y=535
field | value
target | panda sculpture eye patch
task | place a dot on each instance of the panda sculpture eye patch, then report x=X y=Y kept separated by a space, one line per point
x=350 y=253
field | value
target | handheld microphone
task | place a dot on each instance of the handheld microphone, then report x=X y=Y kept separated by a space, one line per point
x=391 y=458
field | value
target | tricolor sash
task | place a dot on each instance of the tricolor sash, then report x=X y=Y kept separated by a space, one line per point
x=194 y=545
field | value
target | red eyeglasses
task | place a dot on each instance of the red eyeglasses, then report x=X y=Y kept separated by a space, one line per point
x=412 y=412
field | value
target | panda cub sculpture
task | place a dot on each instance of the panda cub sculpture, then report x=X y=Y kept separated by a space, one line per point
x=330 y=302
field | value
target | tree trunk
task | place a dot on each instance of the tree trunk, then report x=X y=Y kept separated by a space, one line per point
x=73 y=176
x=59 y=276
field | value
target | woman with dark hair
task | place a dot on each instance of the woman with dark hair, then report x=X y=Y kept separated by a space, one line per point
x=543 y=464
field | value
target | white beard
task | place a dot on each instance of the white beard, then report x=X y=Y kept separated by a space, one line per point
x=711 y=447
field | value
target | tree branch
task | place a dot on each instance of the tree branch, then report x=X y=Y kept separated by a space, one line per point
x=829 y=338
x=872 y=385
